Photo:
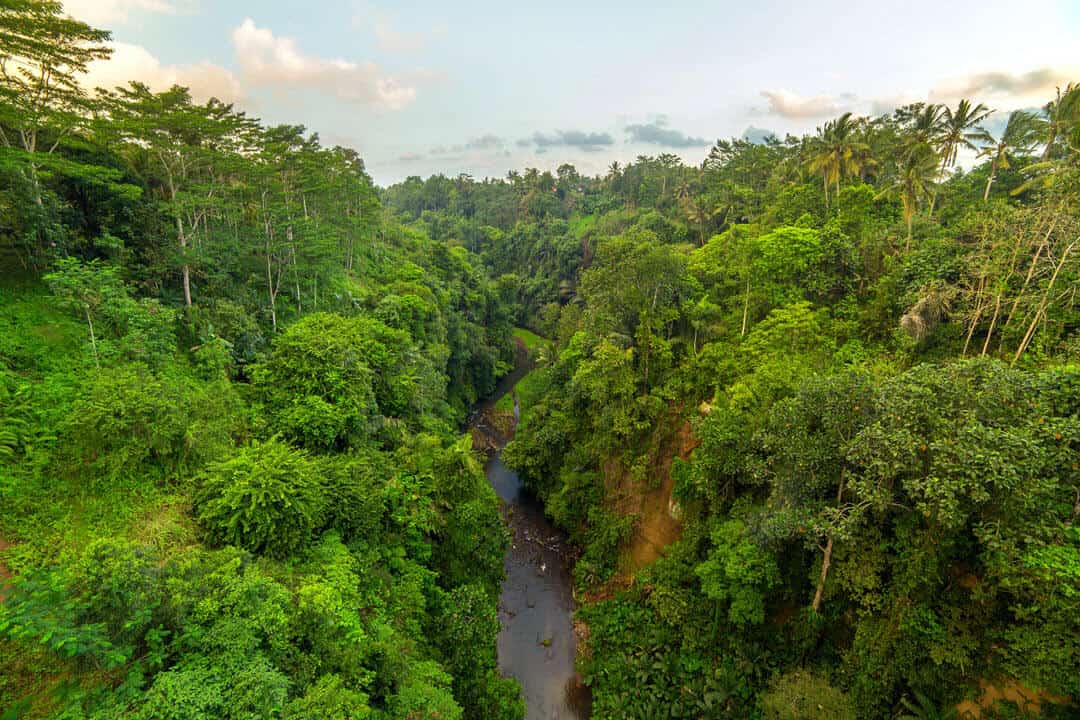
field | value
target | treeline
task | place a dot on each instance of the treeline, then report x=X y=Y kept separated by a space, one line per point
x=871 y=352
x=232 y=481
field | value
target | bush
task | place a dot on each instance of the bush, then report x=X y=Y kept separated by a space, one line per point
x=353 y=487
x=317 y=384
x=129 y=422
x=267 y=499
x=802 y=695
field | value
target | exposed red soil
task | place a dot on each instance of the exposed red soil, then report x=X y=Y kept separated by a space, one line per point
x=1029 y=700
x=651 y=501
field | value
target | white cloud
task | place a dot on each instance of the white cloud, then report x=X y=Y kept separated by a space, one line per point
x=272 y=61
x=790 y=105
x=104 y=12
x=134 y=62
x=1034 y=85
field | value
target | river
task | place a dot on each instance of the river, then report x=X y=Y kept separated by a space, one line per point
x=536 y=642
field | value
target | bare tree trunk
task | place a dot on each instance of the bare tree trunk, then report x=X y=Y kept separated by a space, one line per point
x=826 y=560
x=745 y=308
x=1042 y=305
x=270 y=286
x=993 y=322
x=990 y=180
x=93 y=340
x=975 y=319
x=185 y=270
x=1030 y=274
x=180 y=236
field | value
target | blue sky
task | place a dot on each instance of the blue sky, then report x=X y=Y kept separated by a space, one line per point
x=484 y=87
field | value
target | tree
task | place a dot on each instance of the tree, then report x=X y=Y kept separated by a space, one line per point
x=182 y=141
x=916 y=182
x=266 y=499
x=42 y=53
x=837 y=152
x=958 y=130
x=738 y=572
x=85 y=287
x=803 y=695
x=43 y=106
x=317 y=383
x=1020 y=136
x=1060 y=115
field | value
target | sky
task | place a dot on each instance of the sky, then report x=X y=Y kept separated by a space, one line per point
x=484 y=87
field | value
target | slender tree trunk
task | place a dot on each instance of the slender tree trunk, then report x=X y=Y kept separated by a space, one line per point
x=185 y=270
x=745 y=308
x=826 y=559
x=993 y=322
x=181 y=237
x=1030 y=274
x=93 y=340
x=825 y=562
x=979 y=307
x=1042 y=305
x=1051 y=137
x=941 y=174
x=270 y=286
x=990 y=180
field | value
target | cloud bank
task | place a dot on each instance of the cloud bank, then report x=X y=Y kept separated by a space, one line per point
x=107 y=12
x=995 y=84
x=134 y=62
x=271 y=61
x=588 y=141
x=791 y=105
x=658 y=133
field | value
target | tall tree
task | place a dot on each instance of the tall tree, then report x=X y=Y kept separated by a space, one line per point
x=915 y=182
x=42 y=54
x=182 y=142
x=1060 y=115
x=837 y=151
x=959 y=129
x=1021 y=134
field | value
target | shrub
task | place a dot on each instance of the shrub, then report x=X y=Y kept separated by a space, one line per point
x=802 y=695
x=267 y=499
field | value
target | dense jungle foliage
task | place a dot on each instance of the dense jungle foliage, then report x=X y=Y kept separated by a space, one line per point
x=874 y=354
x=233 y=480
x=234 y=375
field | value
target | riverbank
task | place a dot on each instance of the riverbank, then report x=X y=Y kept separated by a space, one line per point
x=536 y=643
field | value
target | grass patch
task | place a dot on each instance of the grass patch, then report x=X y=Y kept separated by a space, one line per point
x=505 y=404
x=581 y=224
x=533 y=342
x=530 y=390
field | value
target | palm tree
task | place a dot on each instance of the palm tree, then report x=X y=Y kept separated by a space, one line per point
x=1020 y=136
x=837 y=151
x=1060 y=115
x=923 y=122
x=916 y=181
x=959 y=130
